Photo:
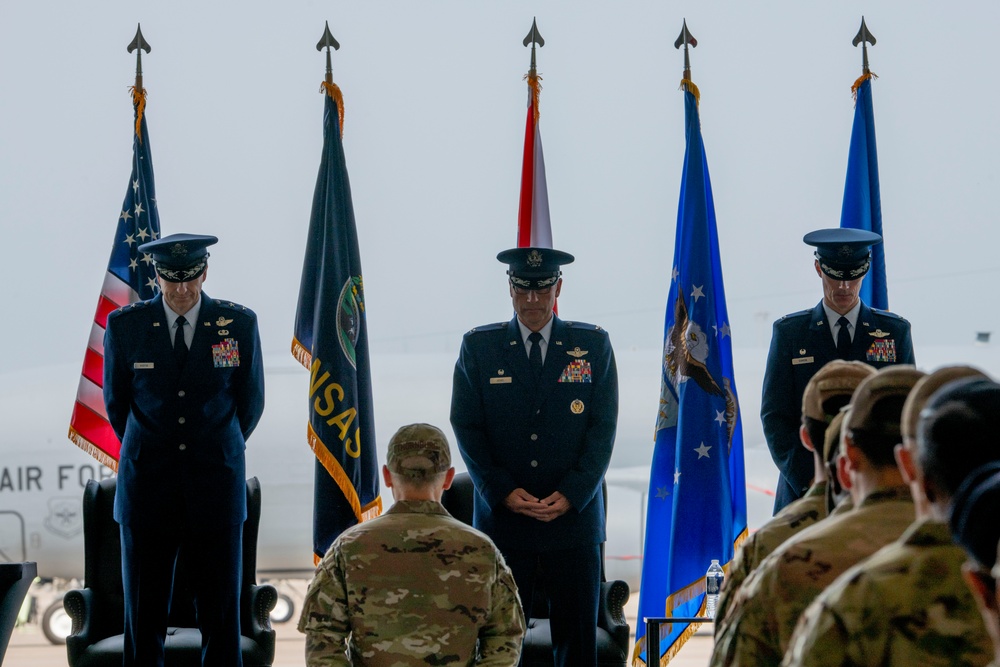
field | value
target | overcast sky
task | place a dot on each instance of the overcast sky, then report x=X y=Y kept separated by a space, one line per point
x=435 y=107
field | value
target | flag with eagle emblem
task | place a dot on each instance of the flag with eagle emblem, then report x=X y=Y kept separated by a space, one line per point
x=697 y=490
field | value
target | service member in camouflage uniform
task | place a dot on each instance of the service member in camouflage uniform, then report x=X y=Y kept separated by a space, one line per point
x=976 y=504
x=769 y=603
x=907 y=604
x=414 y=586
x=826 y=393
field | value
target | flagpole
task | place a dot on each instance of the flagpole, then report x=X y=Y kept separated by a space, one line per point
x=129 y=277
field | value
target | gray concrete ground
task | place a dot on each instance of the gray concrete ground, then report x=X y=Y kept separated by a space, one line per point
x=29 y=648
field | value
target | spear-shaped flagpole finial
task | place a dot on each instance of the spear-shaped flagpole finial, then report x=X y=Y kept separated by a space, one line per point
x=534 y=37
x=138 y=45
x=326 y=42
x=684 y=39
x=864 y=37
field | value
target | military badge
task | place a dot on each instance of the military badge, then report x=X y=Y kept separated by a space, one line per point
x=226 y=354
x=222 y=321
x=878 y=333
x=534 y=259
x=577 y=371
x=576 y=407
x=576 y=352
x=223 y=332
x=883 y=350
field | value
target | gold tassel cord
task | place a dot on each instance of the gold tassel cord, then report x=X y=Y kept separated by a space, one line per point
x=861 y=79
x=139 y=102
x=333 y=90
x=535 y=84
x=688 y=85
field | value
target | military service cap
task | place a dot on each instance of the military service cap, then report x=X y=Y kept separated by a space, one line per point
x=837 y=378
x=179 y=258
x=873 y=409
x=418 y=451
x=534 y=268
x=925 y=388
x=843 y=253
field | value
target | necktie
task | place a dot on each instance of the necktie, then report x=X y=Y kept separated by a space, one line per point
x=180 y=347
x=535 y=355
x=844 y=339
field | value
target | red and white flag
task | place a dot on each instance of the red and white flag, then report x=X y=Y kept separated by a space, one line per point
x=534 y=229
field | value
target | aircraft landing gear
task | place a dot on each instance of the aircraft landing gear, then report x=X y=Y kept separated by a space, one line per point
x=56 y=623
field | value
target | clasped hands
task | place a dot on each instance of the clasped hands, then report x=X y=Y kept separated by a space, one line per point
x=551 y=507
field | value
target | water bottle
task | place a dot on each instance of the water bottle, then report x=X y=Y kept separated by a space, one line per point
x=713 y=583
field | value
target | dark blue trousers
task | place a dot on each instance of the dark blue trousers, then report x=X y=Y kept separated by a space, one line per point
x=572 y=579
x=149 y=556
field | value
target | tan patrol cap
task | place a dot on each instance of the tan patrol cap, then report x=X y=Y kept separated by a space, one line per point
x=837 y=378
x=418 y=451
x=831 y=441
x=889 y=382
x=925 y=388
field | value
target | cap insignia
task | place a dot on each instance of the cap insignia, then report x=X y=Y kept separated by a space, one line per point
x=534 y=259
x=178 y=250
x=845 y=251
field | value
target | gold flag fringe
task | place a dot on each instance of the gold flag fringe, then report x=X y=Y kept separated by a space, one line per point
x=301 y=354
x=535 y=84
x=688 y=85
x=333 y=90
x=857 y=84
x=139 y=102
x=86 y=445
x=680 y=597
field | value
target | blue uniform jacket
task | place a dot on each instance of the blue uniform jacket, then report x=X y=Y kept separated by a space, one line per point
x=801 y=344
x=553 y=436
x=183 y=431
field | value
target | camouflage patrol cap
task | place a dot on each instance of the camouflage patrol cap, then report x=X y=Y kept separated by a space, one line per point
x=418 y=451
x=837 y=378
x=831 y=441
x=926 y=387
x=873 y=409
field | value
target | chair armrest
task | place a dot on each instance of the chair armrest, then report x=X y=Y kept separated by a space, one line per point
x=263 y=597
x=81 y=605
x=611 y=610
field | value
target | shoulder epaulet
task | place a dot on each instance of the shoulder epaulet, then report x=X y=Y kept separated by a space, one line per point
x=136 y=306
x=584 y=326
x=235 y=307
x=487 y=327
x=889 y=314
x=800 y=313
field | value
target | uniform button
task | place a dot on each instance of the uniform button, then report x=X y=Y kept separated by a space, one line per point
x=538 y=412
x=534 y=436
x=181 y=420
x=182 y=447
x=534 y=464
x=181 y=393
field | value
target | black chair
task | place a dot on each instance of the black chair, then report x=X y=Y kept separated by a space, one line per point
x=15 y=580
x=98 y=610
x=613 y=645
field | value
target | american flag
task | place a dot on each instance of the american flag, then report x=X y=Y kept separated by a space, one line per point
x=130 y=278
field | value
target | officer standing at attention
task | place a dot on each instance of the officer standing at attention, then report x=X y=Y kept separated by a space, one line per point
x=414 y=586
x=184 y=388
x=841 y=326
x=535 y=407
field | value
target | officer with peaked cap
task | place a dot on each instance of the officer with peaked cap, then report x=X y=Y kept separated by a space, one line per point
x=183 y=388
x=841 y=326
x=534 y=408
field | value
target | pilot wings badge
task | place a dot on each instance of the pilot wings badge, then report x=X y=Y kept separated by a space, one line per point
x=222 y=321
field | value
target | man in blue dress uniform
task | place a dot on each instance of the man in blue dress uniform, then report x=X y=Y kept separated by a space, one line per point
x=184 y=388
x=841 y=326
x=534 y=408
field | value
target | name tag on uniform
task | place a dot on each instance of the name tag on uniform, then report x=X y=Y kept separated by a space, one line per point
x=802 y=360
x=501 y=380
x=142 y=365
